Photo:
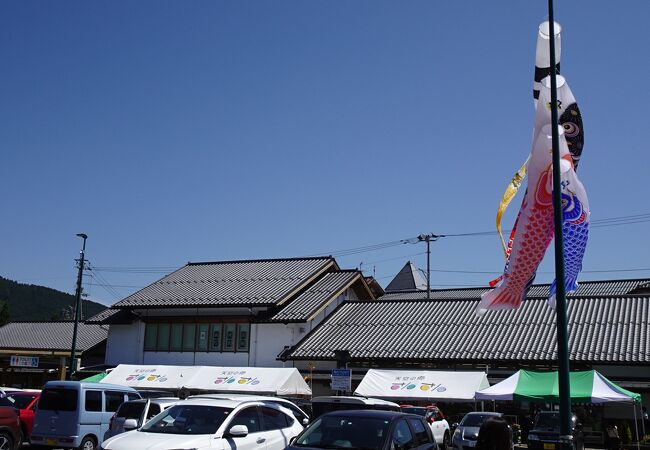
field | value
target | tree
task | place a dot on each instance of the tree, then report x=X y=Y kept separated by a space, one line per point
x=4 y=313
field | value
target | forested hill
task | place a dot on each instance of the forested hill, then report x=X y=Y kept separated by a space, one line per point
x=31 y=302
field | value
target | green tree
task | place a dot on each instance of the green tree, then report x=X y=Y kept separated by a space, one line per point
x=4 y=313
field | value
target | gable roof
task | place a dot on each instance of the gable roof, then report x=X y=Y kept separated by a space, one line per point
x=319 y=295
x=50 y=336
x=601 y=330
x=263 y=282
x=408 y=278
x=611 y=288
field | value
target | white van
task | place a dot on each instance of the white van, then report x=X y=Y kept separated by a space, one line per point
x=76 y=414
x=325 y=404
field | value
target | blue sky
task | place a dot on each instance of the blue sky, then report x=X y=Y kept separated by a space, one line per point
x=210 y=130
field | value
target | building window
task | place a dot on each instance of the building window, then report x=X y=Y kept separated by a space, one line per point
x=150 y=336
x=163 y=337
x=197 y=337
x=177 y=337
x=202 y=338
x=243 y=330
x=215 y=339
x=189 y=337
x=229 y=337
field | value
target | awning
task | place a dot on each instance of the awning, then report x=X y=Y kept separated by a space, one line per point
x=586 y=387
x=151 y=377
x=267 y=380
x=273 y=380
x=96 y=378
x=422 y=384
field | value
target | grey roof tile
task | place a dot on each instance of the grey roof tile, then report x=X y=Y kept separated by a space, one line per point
x=229 y=283
x=316 y=297
x=586 y=289
x=50 y=335
x=601 y=330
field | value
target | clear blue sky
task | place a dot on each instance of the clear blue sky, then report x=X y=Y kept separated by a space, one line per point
x=208 y=130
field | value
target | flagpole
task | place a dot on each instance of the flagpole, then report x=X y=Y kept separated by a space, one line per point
x=561 y=321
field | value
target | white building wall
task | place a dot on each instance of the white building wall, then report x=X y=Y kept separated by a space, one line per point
x=124 y=344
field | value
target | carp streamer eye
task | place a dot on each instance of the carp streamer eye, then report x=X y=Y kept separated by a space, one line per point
x=570 y=129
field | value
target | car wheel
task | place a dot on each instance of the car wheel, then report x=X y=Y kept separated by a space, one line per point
x=88 y=443
x=445 y=442
x=6 y=442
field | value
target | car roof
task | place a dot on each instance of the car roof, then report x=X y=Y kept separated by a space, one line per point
x=24 y=393
x=87 y=385
x=484 y=413
x=239 y=397
x=159 y=400
x=352 y=399
x=379 y=414
x=220 y=402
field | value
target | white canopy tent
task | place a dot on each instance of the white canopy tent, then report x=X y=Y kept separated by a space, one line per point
x=252 y=380
x=151 y=377
x=273 y=380
x=422 y=384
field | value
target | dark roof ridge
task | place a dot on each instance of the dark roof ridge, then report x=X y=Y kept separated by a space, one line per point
x=476 y=299
x=237 y=261
x=642 y=281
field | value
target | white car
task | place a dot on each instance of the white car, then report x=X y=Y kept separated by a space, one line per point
x=298 y=413
x=204 y=423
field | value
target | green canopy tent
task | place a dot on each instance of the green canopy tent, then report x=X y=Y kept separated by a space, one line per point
x=586 y=387
x=96 y=378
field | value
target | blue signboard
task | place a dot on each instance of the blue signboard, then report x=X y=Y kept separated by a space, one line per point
x=341 y=379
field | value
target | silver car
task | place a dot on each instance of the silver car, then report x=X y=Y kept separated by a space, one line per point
x=135 y=413
x=466 y=433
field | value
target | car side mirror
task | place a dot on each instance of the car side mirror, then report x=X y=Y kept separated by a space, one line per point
x=130 y=424
x=305 y=422
x=238 y=431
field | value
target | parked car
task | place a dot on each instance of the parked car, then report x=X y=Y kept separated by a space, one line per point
x=325 y=404
x=368 y=430
x=545 y=434
x=135 y=413
x=10 y=432
x=213 y=423
x=436 y=420
x=76 y=413
x=466 y=432
x=298 y=413
x=26 y=402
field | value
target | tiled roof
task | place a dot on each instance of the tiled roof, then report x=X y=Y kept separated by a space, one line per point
x=50 y=336
x=612 y=288
x=319 y=295
x=601 y=330
x=408 y=278
x=230 y=283
x=111 y=316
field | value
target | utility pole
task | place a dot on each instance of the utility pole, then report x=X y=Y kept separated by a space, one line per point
x=560 y=296
x=77 y=307
x=428 y=238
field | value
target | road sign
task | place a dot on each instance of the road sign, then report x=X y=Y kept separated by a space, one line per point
x=23 y=361
x=341 y=379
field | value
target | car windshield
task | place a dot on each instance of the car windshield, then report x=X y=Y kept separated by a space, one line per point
x=188 y=419
x=474 y=420
x=548 y=421
x=348 y=432
x=20 y=401
x=415 y=410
